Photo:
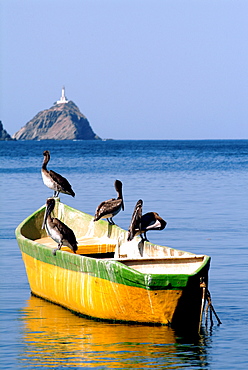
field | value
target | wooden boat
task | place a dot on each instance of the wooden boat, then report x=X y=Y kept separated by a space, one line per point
x=110 y=278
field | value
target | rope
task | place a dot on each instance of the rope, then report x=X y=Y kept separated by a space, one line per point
x=211 y=309
x=206 y=296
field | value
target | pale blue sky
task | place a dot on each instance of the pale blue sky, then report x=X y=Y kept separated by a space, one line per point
x=138 y=69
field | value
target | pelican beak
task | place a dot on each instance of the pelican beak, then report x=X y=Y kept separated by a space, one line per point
x=49 y=208
x=45 y=218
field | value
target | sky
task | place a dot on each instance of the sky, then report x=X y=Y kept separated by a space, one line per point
x=137 y=69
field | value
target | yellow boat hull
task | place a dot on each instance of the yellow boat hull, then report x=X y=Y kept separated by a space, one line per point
x=100 y=298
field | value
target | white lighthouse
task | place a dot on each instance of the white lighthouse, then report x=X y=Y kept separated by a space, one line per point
x=63 y=99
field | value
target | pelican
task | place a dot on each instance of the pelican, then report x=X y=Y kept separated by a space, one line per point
x=57 y=230
x=109 y=208
x=54 y=180
x=141 y=224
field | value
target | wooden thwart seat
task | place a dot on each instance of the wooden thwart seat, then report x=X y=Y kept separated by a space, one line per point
x=86 y=246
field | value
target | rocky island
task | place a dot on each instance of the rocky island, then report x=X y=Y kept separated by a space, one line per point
x=4 y=134
x=63 y=121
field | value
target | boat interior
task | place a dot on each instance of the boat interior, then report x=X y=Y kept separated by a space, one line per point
x=134 y=255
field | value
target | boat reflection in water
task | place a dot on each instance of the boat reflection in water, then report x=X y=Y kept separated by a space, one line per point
x=53 y=336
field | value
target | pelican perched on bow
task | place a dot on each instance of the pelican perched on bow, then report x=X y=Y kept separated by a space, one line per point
x=53 y=180
x=109 y=208
x=57 y=230
x=141 y=224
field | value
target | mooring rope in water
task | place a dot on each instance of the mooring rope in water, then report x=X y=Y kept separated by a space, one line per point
x=203 y=286
x=212 y=310
x=206 y=296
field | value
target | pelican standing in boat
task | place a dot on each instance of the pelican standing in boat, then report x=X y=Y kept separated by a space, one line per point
x=53 y=180
x=57 y=230
x=109 y=208
x=141 y=224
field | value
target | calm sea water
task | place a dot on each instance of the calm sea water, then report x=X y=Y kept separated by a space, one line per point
x=199 y=187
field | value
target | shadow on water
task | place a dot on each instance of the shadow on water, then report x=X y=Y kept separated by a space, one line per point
x=54 y=337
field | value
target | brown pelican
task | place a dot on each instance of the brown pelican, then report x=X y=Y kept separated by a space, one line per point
x=141 y=224
x=57 y=230
x=110 y=208
x=53 y=180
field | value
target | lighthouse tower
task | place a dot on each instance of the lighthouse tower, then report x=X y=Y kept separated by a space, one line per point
x=63 y=99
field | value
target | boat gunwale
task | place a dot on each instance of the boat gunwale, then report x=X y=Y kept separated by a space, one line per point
x=119 y=261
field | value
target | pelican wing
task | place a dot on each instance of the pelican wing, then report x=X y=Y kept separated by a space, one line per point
x=152 y=221
x=135 y=220
x=61 y=181
x=108 y=207
x=65 y=231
